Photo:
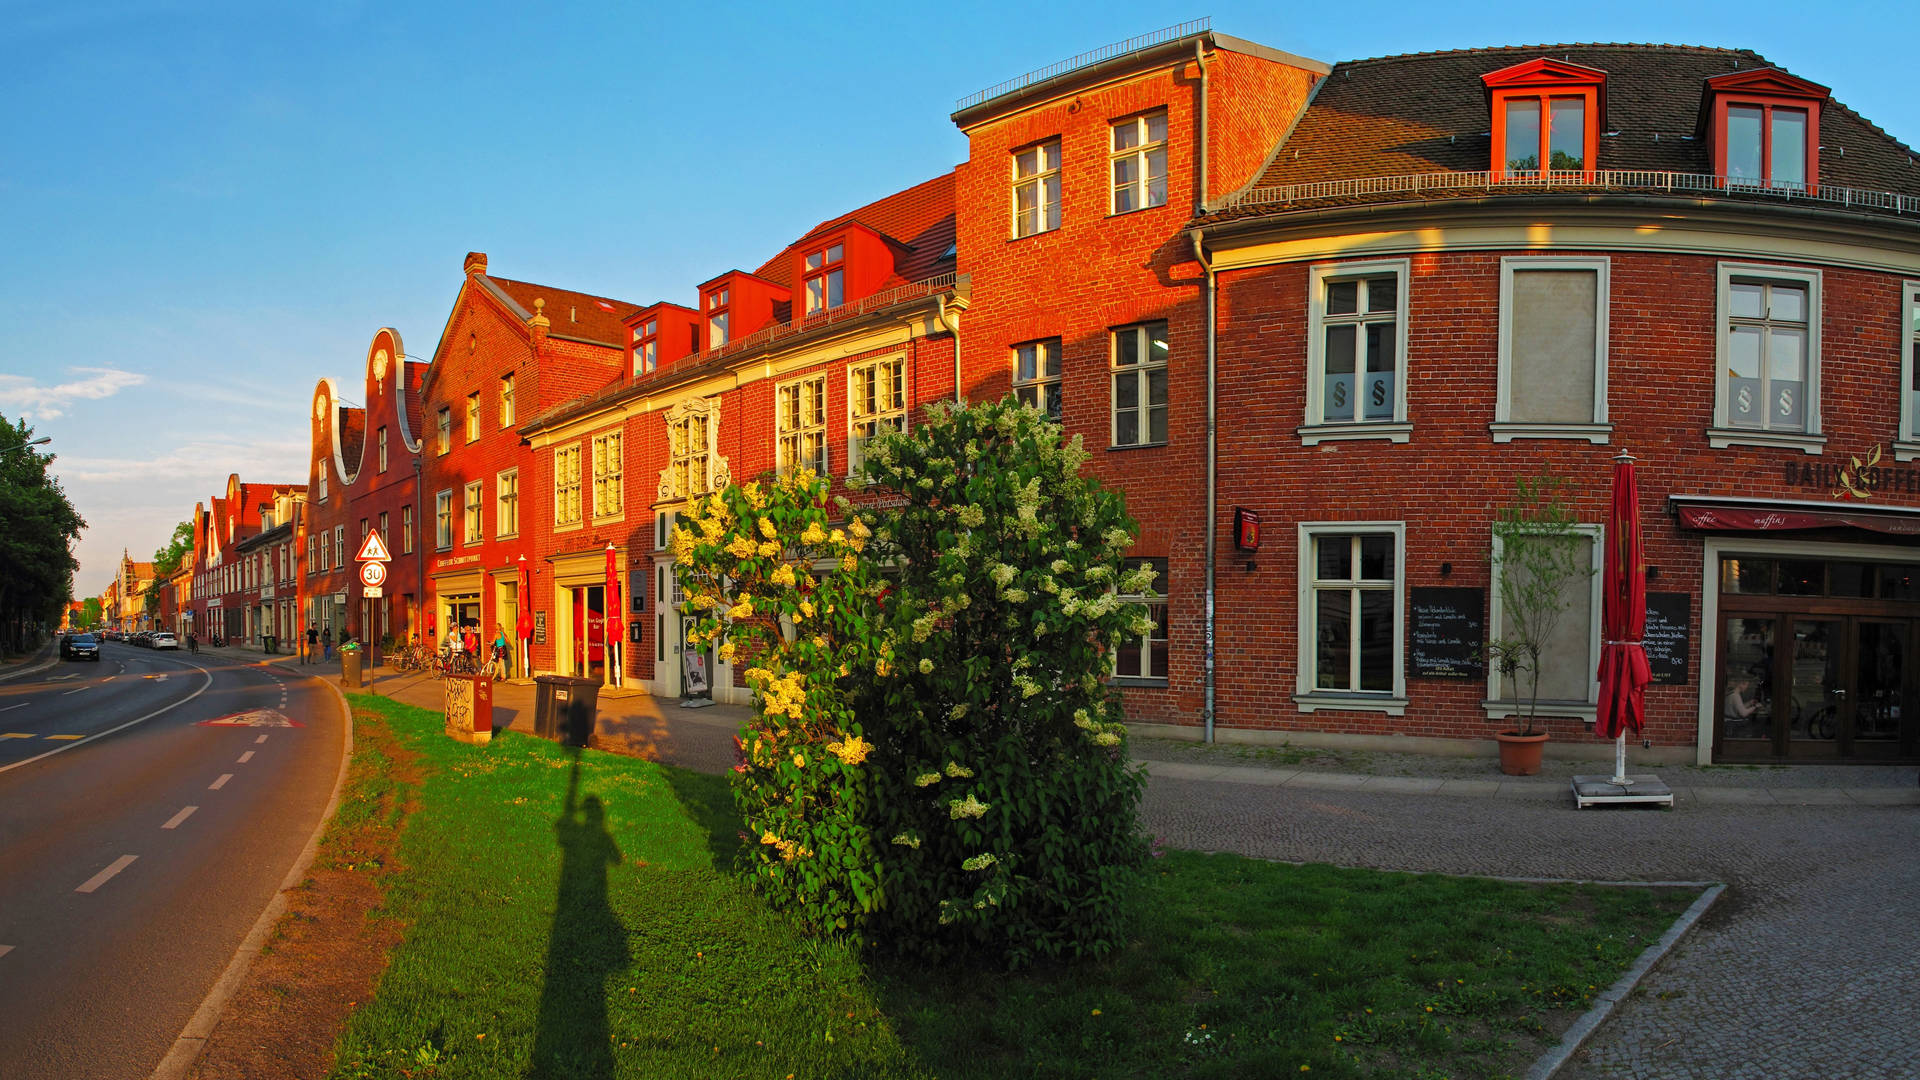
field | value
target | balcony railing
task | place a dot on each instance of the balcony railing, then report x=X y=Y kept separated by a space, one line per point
x=1632 y=181
x=1085 y=59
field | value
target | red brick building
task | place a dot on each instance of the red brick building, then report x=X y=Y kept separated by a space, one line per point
x=237 y=593
x=329 y=589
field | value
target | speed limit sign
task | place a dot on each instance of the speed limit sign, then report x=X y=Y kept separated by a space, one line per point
x=373 y=574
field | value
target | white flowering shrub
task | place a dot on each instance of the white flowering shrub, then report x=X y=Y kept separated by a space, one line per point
x=1001 y=774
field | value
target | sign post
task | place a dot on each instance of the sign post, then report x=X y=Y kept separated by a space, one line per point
x=373 y=559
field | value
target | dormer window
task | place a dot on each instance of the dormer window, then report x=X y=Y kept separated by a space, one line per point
x=1546 y=120
x=824 y=279
x=1766 y=129
x=646 y=347
x=717 y=319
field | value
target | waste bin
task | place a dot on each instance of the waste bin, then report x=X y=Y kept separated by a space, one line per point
x=350 y=668
x=565 y=708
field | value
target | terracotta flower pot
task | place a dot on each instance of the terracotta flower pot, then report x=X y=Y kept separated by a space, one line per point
x=1520 y=754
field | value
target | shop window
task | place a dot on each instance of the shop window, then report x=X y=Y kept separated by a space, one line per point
x=1908 y=446
x=1351 y=585
x=1140 y=385
x=471 y=531
x=800 y=425
x=1553 y=350
x=876 y=402
x=1570 y=638
x=1138 y=159
x=824 y=276
x=1036 y=189
x=1768 y=389
x=1356 y=352
x=1036 y=375
x=608 y=468
x=506 y=510
x=566 y=485
x=1143 y=658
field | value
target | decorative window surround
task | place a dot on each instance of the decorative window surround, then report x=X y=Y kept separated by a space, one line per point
x=693 y=433
x=1394 y=427
x=566 y=487
x=609 y=466
x=1529 y=101
x=1505 y=427
x=1722 y=434
x=1755 y=116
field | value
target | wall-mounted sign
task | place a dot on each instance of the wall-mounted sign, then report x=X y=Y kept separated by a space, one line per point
x=539 y=628
x=633 y=632
x=637 y=592
x=1445 y=632
x=1246 y=529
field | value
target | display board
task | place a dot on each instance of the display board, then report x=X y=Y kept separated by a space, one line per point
x=1668 y=628
x=1446 y=633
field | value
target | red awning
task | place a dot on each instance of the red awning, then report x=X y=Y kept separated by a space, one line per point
x=1754 y=515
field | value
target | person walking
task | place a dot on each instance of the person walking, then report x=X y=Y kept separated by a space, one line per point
x=499 y=651
x=313 y=639
x=326 y=643
x=193 y=643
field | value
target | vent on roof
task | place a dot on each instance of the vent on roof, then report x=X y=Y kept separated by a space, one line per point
x=573 y=313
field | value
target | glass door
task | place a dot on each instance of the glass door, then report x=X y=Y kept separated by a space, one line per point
x=1798 y=687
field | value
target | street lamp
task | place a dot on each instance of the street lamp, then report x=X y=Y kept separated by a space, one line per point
x=41 y=441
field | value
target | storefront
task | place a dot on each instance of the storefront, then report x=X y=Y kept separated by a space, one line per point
x=580 y=603
x=1814 y=638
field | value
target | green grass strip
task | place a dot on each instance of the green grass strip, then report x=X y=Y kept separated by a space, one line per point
x=575 y=915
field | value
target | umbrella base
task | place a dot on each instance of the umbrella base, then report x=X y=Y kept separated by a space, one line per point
x=1602 y=791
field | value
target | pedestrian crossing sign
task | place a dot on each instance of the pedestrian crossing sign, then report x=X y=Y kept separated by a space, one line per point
x=372 y=550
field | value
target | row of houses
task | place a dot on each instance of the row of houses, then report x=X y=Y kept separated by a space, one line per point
x=1318 y=319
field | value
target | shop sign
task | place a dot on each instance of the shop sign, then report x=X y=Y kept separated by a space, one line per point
x=1862 y=477
x=1246 y=529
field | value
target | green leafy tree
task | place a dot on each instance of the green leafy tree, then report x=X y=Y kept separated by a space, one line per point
x=1537 y=559
x=36 y=557
x=90 y=612
x=167 y=557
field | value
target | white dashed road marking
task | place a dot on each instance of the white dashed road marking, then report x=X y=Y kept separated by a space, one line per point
x=174 y=821
x=246 y=757
x=259 y=740
x=106 y=875
x=75 y=690
x=220 y=783
x=22 y=705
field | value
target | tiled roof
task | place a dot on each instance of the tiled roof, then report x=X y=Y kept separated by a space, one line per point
x=1428 y=113
x=573 y=314
x=919 y=219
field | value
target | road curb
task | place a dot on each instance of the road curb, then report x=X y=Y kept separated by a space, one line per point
x=1576 y=1036
x=193 y=1038
x=33 y=667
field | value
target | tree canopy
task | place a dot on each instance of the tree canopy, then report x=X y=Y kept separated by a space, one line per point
x=36 y=553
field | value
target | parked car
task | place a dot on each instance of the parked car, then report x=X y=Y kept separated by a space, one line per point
x=80 y=647
x=162 y=640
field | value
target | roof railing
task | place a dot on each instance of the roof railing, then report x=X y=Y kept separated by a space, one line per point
x=1086 y=59
x=1574 y=180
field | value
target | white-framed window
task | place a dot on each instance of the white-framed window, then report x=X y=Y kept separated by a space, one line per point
x=506 y=510
x=339 y=546
x=506 y=400
x=1138 y=162
x=443 y=520
x=323 y=481
x=1144 y=658
x=1140 y=384
x=326 y=551
x=717 y=319
x=876 y=402
x=1357 y=352
x=609 y=496
x=385 y=535
x=443 y=429
x=1352 y=581
x=383 y=448
x=800 y=424
x=566 y=485
x=1036 y=189
x=1768 y=389
x=1569 y=655
x=1552 y=381
x=1036 y=375
x=473 y=417
x=1908 y=446
x=824 y=285
x=406 y=529
x=646 y=347
x=690 y=454
x=471 y=532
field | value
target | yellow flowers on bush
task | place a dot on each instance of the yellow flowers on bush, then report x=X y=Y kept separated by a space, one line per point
x=968 y=807
x=853 y=750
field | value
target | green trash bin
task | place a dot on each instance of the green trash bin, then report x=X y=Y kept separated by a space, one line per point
x=350 y=673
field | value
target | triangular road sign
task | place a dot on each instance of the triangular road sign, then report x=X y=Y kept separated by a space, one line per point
x=372 y=550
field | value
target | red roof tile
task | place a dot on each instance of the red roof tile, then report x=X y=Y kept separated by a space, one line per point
x=573 y=314
x=919 y=219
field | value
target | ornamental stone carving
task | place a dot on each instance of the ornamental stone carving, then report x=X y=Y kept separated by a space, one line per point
x=680 y=457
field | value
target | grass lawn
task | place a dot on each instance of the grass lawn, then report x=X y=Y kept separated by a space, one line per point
x=575 y=915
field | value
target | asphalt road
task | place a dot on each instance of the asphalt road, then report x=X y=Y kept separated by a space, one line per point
x=139 y=844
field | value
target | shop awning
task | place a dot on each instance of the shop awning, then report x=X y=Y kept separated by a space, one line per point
x=1706 y=513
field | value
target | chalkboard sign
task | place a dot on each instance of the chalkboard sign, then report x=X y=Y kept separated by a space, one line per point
x=1666 y=637
x=1446 y=633
x=637 y=591
x=539 y=628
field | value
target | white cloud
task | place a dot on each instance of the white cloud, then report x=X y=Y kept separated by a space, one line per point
x=38 y=401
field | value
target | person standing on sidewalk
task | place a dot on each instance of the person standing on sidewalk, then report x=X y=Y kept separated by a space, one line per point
x=326 y=643
x=312 y=639
x=499 y=651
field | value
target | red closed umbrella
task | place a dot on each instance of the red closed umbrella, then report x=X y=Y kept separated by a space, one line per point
x=615 y=626
x=1624 y=672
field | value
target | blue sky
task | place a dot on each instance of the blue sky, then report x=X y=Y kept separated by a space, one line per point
x=207 y=207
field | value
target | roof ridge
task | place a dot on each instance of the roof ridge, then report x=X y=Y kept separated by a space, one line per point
x=1492 y=49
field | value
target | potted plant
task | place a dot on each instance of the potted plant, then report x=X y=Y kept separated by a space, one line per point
x=1536 y=557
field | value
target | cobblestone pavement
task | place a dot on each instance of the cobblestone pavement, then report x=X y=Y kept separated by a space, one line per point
x=1804 y=969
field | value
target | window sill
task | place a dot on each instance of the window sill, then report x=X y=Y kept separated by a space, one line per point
x=1315 y=434
x=1906 y=451
x=1383 y=703
x=444 y=547
x=1139 y=209
x=575 y=527
x=1505 y=431
x=1129 y=680
x=1138 y=446
x=1723 y=438
x=612 y=519
x=514 y=535
x=1505 y=710
x=1031 y=235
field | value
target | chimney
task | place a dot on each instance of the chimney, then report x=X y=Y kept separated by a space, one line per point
x=476 y=263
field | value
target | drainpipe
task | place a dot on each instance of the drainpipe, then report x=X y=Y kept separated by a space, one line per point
x=949 y=316
x=1213 y=494
x=420 y=559
x=1200 y=152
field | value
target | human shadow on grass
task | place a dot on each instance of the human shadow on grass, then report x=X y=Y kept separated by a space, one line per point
x=708 y=800
x=586 y=945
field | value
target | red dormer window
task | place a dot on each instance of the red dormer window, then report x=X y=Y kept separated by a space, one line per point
x=1546 y=119
x=825 y=278
x=717 y=319
x=646 y=347
x=1766 y=129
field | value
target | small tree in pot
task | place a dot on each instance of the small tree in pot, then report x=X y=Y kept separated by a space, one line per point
x=1536 y=557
